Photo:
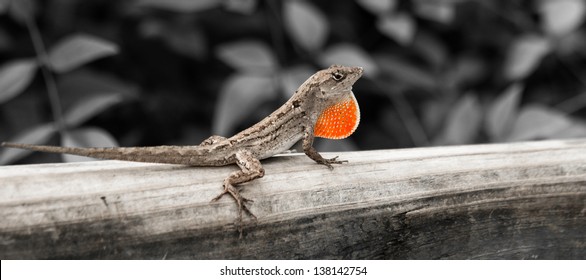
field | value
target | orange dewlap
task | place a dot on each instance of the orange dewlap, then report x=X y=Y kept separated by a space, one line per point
x=339 y=120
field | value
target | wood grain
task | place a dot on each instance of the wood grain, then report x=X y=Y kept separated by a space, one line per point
x=504 y=201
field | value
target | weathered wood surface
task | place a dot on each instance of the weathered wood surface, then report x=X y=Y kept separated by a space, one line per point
x=522 y=200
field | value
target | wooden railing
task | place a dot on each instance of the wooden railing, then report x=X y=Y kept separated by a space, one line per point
x=522 y=200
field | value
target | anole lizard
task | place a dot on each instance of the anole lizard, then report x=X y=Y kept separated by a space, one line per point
x=323 y=106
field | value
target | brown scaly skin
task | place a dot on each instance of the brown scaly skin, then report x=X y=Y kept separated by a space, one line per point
x=293 y=121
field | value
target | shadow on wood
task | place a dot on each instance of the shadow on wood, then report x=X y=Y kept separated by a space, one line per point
x=505 y=201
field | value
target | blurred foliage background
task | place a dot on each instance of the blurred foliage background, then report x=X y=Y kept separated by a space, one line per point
x=154 y=72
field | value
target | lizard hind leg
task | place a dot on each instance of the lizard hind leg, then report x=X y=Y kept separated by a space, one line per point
x=212 y=140
x=250 y=169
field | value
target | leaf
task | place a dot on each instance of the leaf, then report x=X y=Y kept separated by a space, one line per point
x=405 y=71
x=4 y=6
x=89 y=107
x=239 y=97
x=292 y=78
x=15 y=76
x=378 y=6
x=433 y=113
x=502 y=113
x=35 y=135
x=246 y=7
x=399 y=27
x=85 y=83
x=562 y=16
x=463 y=122
x=571 y=44
x=524 y=56
x=248 y=56
x=180 y=6
x=464 y=71
x=305 y=24
x=349 y=55
x=539 y=122
x=22 y=10
x=86 y=137
x=441 y=11
x=431 y=49
x=187 y=41
x=77 y=50
x=576 y=130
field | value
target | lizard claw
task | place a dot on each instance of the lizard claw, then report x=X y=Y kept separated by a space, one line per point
x=240 y=201
x=329 y=161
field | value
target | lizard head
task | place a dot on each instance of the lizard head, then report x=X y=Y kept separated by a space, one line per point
x=337 y=116
x=337 y=80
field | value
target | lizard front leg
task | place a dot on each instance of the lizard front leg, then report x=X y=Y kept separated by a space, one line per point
x=312 y=153
x=250 y=170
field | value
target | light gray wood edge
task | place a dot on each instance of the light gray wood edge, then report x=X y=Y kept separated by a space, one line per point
x=520 y=200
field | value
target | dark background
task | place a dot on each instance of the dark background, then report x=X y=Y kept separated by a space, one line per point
x=154 y=72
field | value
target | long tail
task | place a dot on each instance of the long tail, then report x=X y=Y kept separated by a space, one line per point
x=158 y=154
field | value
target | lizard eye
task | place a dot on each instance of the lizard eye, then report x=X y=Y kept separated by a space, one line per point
x=337 y=76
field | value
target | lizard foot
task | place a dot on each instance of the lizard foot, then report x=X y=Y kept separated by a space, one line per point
x=329 y=161
x=240 y=201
